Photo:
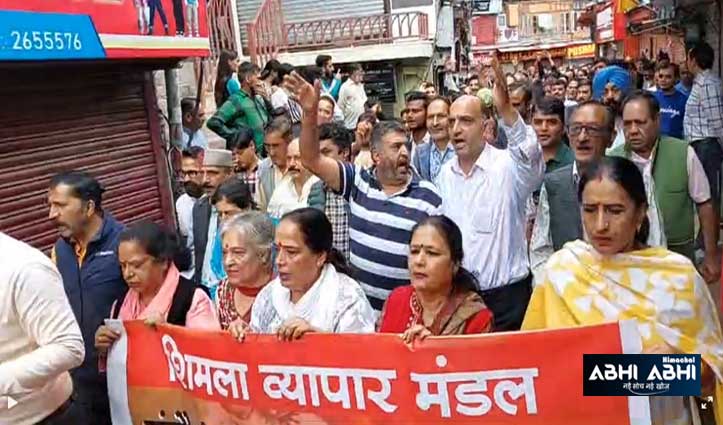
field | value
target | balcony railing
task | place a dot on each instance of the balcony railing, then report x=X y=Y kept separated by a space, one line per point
x=269 y=35
x=266 y=34
x=348 y=32
x=221 y=26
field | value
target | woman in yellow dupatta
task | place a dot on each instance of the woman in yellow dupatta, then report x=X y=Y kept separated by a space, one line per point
x=616 y=277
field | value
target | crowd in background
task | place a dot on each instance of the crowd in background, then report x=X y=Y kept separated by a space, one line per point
x=541 y=198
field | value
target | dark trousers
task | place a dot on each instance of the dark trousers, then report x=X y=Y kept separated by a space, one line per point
x=508 y=304
x=178 y=16
x=69 y=413
x=92 y=401
x=155 y=5
x=711 y=155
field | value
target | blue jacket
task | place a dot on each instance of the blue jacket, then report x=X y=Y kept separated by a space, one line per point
x=92 y=288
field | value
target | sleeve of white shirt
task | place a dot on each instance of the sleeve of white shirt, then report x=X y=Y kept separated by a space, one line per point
x=541 y=248
x=527 y=154
x=45 y=315
x=344 y=99
x=698 y=186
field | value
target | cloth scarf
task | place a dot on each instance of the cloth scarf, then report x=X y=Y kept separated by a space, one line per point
x=133 y=309
x=659 y=289
x=614 y=74
x=318 y=304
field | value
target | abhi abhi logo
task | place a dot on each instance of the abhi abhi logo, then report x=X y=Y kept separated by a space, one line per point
x=641 y=375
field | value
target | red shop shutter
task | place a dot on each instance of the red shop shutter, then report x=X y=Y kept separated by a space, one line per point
x=90 y=117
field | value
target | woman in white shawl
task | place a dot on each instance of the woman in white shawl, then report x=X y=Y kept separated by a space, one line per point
x=312 y=292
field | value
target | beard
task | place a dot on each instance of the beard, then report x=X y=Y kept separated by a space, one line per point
x=193 y=190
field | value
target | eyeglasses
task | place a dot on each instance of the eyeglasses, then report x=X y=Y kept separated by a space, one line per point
x=594 y=131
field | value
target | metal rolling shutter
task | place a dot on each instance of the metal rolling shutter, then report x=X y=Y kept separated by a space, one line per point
x=91 y=118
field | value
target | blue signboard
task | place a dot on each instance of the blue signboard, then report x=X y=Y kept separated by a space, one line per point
x=47 y=36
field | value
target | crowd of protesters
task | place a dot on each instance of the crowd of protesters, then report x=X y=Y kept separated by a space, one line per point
x=541 y=198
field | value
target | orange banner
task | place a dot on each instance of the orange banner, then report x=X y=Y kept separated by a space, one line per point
x=173 y=375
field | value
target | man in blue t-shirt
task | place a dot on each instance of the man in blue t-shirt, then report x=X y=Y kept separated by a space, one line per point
x=672 y=102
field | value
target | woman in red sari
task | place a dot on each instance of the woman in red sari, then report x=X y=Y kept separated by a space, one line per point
x=442 y=297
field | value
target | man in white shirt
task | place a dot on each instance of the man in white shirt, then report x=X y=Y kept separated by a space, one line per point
x=192 y=178
x=485 y=190
x=352 y=97
x=292 y=192
x=40 y=340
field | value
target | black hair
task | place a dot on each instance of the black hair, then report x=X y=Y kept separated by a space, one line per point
x=417 y=95
x=452 y=236
x=625 y=173
x=371 y=101
x=439 y=98
x=583 y=82
x=158 y=242
x=83 y=186
x=551 y=106
x=648 y=65
x=188 y=104
x=223 y=74
x=271 y=66
x=309 y=73
x=280 y=124
x=644 y=96
x=521 y=85
x=317 y=233
x=472 y=77
x=242 y=139
x=337 y=133
x=609 y=114
x=703 y=55
x=195 y=152
x=321 y=60
x=382 y=128
x=369 y=117
x=246 y=69
x=663 y=64
x=355 y=67
x=235 y=191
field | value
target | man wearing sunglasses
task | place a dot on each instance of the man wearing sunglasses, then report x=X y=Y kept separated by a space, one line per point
x=591 y=131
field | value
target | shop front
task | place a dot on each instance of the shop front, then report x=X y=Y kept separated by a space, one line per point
x=78 y=94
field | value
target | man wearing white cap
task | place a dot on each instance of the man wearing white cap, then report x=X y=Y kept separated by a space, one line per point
x=217 y=167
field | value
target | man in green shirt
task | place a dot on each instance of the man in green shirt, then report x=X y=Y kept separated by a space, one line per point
x=548 y=120
x=245 y=109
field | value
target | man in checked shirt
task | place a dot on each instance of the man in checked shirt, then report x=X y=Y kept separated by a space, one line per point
x=703 y=122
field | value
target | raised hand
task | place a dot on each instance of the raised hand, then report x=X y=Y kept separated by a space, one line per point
x=307 y=95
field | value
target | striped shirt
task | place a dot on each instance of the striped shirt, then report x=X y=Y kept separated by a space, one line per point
x=380 y=228
x=704 y=110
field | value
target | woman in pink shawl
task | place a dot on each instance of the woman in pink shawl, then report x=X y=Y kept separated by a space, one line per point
x=150 y=258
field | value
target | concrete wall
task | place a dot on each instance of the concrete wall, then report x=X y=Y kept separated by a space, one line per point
x=187 y=82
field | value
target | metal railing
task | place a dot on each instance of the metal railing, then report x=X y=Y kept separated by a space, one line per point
x=269 y=35
x=221 y=26
x=266 y=33
x=347 y=32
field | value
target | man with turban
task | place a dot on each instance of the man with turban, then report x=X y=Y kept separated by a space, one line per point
x=610 y=86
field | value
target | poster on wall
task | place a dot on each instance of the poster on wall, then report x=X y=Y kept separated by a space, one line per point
x=32 y=30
